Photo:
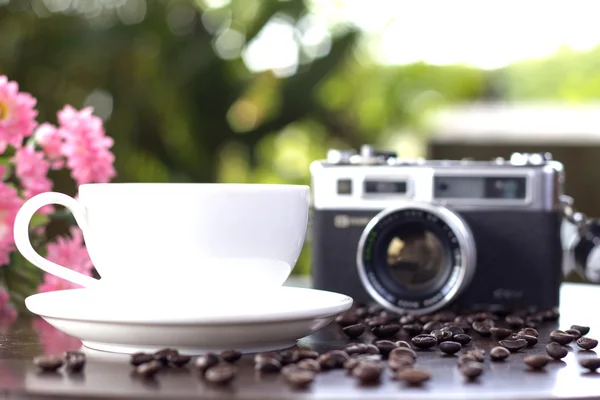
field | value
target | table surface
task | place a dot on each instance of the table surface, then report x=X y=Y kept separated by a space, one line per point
x=110 y=376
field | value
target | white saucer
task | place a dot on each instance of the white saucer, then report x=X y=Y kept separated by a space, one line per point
x=194 y=323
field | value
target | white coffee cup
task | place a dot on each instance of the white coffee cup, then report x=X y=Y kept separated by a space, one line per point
x=180 y=236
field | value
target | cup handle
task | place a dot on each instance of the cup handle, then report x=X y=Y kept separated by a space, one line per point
x=21 y=235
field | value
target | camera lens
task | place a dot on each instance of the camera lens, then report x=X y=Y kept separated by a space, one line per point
x=416 y=258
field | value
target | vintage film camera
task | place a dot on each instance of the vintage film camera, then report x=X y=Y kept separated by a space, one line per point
x=423 y=235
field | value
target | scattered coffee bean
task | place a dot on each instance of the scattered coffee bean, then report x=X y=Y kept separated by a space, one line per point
x=400 y=362
x=385 y=330
x=514 y=321
x=450 y=347
x=455 y=330
x=499 y=353
x=347 y=318
x=556 y=350
x=163 y=355
x=140 y=358
x=560 y=337
x=260 y=357
x=413 y=376
x=536 y=361
x=231 y=355
x=402 y=351
x=478 y=355
x=591 y=363
x=574 y=332
x=75 y=361
x=149 y=369
x=471 y=370
x=514 y=345
x=500 y=333
x=304 y=352
x=432 y=326
x=408 y=319
x=309 y=364
x=584 y=330
x=333 y=359
x=48 y=363
x=222 y=373
x=462 y=338
x=482 y=327
x=385 y=346
x=372 y=322
x=350 y=364
x=206 y=361
x=178 y=360
x=531 y=340
x=424 y=341
x=402 y=343
x=465 y=358
x=375 y=309
x=354 y=348
x=529 y=331
x=371 y=349
x=367 y=372
x=268 y=366
x=361 y=312
x=441 y=336
x=587 y=343
x=412 y=329
x=299 y=378
x=289 y=356
x=354 y=331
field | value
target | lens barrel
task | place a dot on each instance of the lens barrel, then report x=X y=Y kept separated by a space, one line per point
x=416 y=257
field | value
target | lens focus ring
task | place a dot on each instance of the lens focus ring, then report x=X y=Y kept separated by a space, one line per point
x=416 y=258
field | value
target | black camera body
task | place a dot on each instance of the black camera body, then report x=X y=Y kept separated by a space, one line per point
x=425 y=235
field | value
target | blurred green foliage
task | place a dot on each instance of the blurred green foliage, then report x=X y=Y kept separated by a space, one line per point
x=170 y=81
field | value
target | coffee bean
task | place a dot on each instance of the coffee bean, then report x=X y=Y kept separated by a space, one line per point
x=556 y=350
x=450 y=347
x=385 y=346
x=309 y=364
x=408 y=319
x=401 y=352
x=399 y=362
x=574 y=332
x=465 y=358
x=455 y=330
x=500 y=333
x=299 y=378
x=361 y=312
x=375 y=309
x=385 y=330
x=178 y=360
x=591 y=363
x=48 y=363
x=268 y=366
x=75 y=361
x=529 y=331
x=260 y=357
x=531 y=340
x=441 y=336
x=222 y=373
x=372 y=322
x=371 y=349
x=514 y=321
x=424 y=341
x=412 y=329
x=471 y=370
x=163 y=355
x=347 y=318
x=551 y=315
x=536 y=361
x=584 y=330
x=499 y=353
x=402 y=343
x=478 y=355
x=514 y=345
x=206 y=361
x=462 y=338
x=333 y=359
x=432 y=326
x=481 y=316
x=140 y=358
x=149 y=369
x=560 y=337
x=587 y=343
x=350 y=364
x=482 y=327
x=367 y=372
x=413 y=376
x=289 y=356
x=231 y=355
x=303 y=353
x=354 y=331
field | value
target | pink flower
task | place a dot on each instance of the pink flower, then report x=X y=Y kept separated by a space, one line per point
x=10 y=202
x=32 y=171
x=51 y=141
x=69 y=252
x=17 y=114
x=7 y=312
x=86 y=146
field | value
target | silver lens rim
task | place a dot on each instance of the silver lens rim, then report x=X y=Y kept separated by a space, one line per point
x=465 y=240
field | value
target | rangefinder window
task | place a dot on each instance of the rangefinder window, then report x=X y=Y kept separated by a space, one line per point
x=385 y=187
x=454 y=187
